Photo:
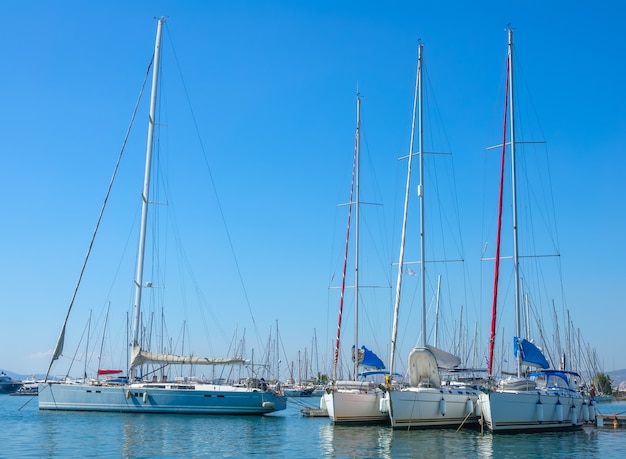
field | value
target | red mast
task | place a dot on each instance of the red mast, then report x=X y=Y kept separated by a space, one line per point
x=492 y=336
x=345 y=256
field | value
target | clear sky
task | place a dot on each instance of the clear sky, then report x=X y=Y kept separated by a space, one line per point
x=273 y=84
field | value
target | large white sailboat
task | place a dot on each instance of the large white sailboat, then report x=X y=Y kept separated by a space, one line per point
x=541 y=400
x=354 y=401
x=134 y=394
x=426 y=402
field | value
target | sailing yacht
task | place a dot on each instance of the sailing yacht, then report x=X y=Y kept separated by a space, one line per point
x=426 y=401
x=354 y=401
x=134 y=394
x=544 y=399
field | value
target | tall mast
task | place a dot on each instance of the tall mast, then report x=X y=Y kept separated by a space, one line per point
x=356 y=231
x=496 y=275
x=420 y=193
x=435 y=342
x=347 y=244
x=394 y=331
x=146 y=186
x=277 y=356
x=518 y=327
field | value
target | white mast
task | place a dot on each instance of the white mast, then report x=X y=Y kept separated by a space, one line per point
x=420 y=193
x=435 y=342
x=146 y=186
x=356 y=242
x=518 y=327
x=394 y=331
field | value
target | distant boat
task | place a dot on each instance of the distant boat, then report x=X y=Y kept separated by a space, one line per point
x=302 y=391
x=354 y=401
x=602 y=398
x=29 y=386
x=8 y=384
x=189 y=396
x=544 y=399
x=307 y=387
x=426 y=402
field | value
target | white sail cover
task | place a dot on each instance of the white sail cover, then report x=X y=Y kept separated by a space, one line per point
x=141 y=357
x=423 y=369
x=445 y=360
x=424 y=365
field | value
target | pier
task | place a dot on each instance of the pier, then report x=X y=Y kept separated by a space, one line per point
x=611 y=421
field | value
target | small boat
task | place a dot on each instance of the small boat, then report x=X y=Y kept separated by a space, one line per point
x=303 y=391
x=603 y=398
x=29 y=387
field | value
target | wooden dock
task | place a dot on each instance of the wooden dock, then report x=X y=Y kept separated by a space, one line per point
x=610 y=420
x=314 y=413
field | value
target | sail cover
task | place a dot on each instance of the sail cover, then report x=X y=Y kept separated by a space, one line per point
x=369 y=359
x=141 y=357
x=529 y=354
x=423 y=368
x=105 y=372
x=445 y=360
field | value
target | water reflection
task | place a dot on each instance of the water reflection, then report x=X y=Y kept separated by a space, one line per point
x=201 y=436
x=581 y=443
x=33 y=433
x=383 y=442
x=436 y=443
x=355 y=441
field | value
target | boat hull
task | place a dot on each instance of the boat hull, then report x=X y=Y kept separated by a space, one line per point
x=9 y=387
x=159 y=398
x=528 y=411
x=354 y=406
x=422 y=408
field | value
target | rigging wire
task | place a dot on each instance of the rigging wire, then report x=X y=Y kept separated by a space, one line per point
x=59 y=346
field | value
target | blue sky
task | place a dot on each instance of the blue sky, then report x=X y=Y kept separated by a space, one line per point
x=273 y=88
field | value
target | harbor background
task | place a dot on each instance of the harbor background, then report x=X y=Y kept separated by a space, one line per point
x=274 y=85
x=27 y=432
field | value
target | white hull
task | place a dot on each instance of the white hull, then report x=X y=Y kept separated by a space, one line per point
x=419 y=407
x=346 y=406
x=535 y=410
x=159 y=398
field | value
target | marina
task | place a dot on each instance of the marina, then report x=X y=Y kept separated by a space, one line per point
x=27 y=432
x=169 y=188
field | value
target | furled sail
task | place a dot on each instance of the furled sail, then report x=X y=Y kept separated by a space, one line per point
x=369 y=359
x=529 y=354
x=141 y=357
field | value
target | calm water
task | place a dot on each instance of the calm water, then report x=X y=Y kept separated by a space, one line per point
x=27 y=432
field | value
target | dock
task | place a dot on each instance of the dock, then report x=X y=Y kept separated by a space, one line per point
x=314 y=413
x=610 y=420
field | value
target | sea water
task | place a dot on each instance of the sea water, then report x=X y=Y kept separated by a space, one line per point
x=27 y=432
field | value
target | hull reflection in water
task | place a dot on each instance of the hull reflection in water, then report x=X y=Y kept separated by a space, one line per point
x=355 y=441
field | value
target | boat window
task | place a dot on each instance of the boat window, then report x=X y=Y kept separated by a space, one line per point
x=539 y=379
